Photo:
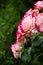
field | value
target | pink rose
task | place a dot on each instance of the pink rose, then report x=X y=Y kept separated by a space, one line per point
x=27 y=23
x=16 y=50
x=22 y=26
x=38 y=5
x=39 y=22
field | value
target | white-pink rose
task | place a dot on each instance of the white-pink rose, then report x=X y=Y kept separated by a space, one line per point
x=39 y=22
x=38 y=5
x=16 y=50
x=26 y=24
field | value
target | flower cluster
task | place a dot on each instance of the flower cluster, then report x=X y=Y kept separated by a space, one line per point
x=31 y=23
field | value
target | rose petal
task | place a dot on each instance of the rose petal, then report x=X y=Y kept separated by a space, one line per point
x=38 y=5
x=39 y=22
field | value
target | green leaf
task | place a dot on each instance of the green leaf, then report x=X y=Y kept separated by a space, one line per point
x=37 y=41
x=35 y=63
x=26 y=57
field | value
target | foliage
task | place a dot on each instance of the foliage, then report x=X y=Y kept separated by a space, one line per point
x=11 y=11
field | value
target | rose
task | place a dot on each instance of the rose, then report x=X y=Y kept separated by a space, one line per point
x=27 y=24
x=38 y=5
x=39 y=22
x=16 y=49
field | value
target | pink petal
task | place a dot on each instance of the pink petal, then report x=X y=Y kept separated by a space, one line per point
x=16 y=50
x=38 y=5
x=26 y=24
x=41 y=28
x=39 y=22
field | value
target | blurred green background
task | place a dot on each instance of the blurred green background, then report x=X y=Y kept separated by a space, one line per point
x=11 y=11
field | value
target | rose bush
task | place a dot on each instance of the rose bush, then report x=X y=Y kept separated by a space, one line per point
x=30 y=24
